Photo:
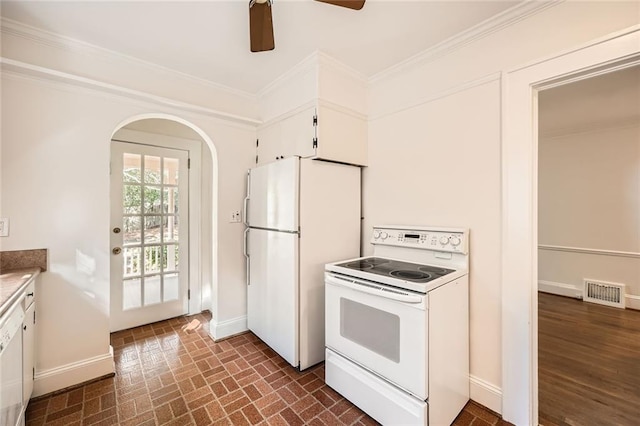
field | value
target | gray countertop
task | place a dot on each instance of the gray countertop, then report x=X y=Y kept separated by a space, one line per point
x=12 y=283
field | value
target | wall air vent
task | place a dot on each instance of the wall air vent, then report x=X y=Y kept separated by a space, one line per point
x=604 y=293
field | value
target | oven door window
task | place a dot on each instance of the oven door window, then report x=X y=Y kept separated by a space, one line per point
x=372 y=328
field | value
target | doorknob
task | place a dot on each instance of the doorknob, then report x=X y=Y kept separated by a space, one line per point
x=116 y=250
x=116 y=230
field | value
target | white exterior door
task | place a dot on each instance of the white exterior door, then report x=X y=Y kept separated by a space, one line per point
x=272 y=291
x=149 y=234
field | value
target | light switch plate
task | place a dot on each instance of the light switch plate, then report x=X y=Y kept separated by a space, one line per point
x=236 y=217
x=4 y=227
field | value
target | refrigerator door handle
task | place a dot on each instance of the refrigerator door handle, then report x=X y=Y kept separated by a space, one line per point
x=245 y=250
x=245 y=211
x=245 y=205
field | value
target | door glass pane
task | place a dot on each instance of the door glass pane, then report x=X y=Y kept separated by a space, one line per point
x=171 y=257
x=372 y=328
x=152 y=259
x=170 y=229
x=131 y=164
x=170 y=171
x=170 y=201
x=131 y=259
x=151 y=199
x=152 y=287
x=152 y=229
x=131 y=199
x=132 y=232
x=171 y=287
x=151 y=169
x=131 y=295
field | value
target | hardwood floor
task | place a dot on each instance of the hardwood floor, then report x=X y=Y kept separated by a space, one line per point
x=589 y=363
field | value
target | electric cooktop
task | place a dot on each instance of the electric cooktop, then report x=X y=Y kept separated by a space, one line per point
x=408 y=271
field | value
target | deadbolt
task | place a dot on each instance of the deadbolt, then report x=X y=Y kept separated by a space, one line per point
x=116 y=230
x=116 y=250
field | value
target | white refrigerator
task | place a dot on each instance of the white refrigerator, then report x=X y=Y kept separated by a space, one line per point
x=300 y=214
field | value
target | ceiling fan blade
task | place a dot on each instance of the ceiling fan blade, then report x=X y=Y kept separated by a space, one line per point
x=351 y=4
x=260 y=26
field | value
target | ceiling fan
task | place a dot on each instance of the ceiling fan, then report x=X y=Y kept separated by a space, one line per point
x=261 y=23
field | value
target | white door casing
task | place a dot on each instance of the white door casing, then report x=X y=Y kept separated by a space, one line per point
x=520 y=206
x=149 y=234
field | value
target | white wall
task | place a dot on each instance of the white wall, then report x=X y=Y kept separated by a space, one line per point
x=55 y=190
x=589 y=197
x=435 y=151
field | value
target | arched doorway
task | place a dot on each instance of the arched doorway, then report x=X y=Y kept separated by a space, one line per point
x=163 y=220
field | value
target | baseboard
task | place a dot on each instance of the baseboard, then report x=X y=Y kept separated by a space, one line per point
x=561 y=289
x=568 y=290
x=53 y=379
x=222 y=329
x=485 y=393
x=632 y=302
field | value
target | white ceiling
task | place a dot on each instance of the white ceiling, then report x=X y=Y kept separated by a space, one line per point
x=605 y=100
x=209 y=39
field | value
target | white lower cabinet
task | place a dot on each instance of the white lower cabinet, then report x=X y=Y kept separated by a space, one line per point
x=28 y=351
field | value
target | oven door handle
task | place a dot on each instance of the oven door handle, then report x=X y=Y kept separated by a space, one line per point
x=372 y=289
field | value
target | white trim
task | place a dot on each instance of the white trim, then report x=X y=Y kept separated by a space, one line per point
x=632 y=302
x=227 y=328
x=440 y=94
x=61 y=377
x=307 y=64
x=331 y=62
x=485 y=28
x=47 y=74
x=520 y=206
x=485 y=393
x=57 y=41
x=585 y=250
x=560 y=289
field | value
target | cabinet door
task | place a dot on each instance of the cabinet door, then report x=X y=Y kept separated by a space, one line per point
x=298 y=133
x=28 y=351
x=269 y=143
x=341 y=136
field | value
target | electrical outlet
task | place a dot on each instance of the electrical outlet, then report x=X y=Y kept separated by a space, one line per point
x=236 y=217
x=4 y=227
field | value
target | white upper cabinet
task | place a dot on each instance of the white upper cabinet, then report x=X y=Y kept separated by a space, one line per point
x=321 y=132
x=315 y=110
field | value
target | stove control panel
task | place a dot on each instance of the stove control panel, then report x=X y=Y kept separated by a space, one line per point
x=454 y=240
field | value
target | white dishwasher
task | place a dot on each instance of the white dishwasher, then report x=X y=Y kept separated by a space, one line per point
x=11 y=400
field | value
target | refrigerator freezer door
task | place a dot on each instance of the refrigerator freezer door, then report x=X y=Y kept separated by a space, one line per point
x=272 y=293
x=273 y=195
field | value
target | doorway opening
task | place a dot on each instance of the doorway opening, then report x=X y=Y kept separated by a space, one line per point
x=588 y=231
x=162 y=228
x=520 y=205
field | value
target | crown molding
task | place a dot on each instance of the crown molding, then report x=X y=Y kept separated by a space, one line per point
x=305 y=65
x=329 y=61
x=57 y=41
x=29 y=70
x=485 y=28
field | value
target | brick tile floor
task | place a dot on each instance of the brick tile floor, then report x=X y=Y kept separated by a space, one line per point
x=169 y=374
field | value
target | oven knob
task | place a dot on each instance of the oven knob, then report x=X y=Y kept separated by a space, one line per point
x=444 y=240
x=455 y=241
x=376 y=234
x=384 y=235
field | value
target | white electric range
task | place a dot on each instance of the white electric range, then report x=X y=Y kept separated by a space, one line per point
x=397 y=326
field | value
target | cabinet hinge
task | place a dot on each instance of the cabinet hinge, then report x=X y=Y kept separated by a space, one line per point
x=256 y=159
x=315 y=142
x=33 y=371
x=188 y=163
x=34 y=316
x=257 y=142
x=315 y=120
x=189 y=294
